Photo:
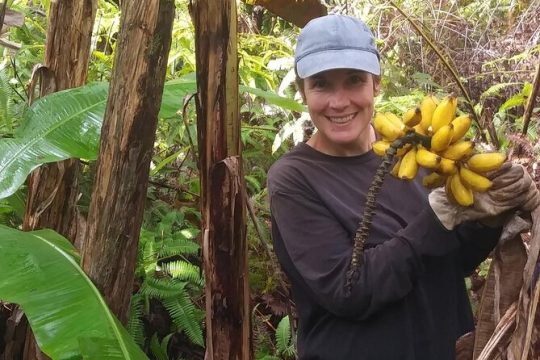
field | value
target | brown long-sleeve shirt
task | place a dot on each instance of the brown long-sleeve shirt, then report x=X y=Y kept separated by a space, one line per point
x=410 y=301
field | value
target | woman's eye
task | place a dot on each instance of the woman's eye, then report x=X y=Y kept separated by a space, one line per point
x=319 y=83
x=356 y=79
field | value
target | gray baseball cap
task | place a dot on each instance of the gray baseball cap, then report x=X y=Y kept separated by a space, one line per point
x=335 y=42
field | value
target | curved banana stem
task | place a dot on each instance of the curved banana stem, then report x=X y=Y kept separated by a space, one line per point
x=362 y=232
x=450 y=68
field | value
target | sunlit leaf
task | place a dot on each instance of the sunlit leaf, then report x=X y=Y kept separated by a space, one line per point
x=68 y=316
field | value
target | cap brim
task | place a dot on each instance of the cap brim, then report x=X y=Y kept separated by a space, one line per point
x=338 y=59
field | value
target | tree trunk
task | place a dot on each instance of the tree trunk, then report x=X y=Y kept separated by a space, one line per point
x=127 y=139
x=53 y=188
x=222 y=181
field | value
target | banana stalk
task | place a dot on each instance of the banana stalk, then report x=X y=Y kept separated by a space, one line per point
x=362 y=232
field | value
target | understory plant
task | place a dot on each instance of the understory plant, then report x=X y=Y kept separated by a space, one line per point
x=170 y=280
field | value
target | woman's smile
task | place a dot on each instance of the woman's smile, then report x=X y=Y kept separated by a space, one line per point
x=341 y=120
x=340 y=103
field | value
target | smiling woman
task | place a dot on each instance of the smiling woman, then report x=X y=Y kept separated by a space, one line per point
x=409 y=301
x=340 y=104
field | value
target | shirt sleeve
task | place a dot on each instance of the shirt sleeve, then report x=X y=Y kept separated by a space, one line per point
x=320 y=250
x=476 y=243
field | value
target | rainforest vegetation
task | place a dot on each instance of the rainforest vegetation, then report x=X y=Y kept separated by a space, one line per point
x=486 y=52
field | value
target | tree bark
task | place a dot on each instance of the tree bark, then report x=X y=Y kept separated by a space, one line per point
x=222 y=181
x=127 y=139
x=53 y=188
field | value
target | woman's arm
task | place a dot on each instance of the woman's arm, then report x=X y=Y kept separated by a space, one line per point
x=320 y=250
x=476 y=242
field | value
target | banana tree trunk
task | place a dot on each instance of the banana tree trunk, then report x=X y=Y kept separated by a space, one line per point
x=53 y=188
x=127 y=139
x=222 y=182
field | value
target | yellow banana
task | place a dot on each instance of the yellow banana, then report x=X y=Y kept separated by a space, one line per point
x=458 y=150
x=427 y=158
x=386 y=127
x=448 y=190
x=420 y=130
x=444 y=113
x=380 y=147
x=394 y=119
x=403 y=150
x=412 y=117
x=409 y=166
x=462 y=194
x=473 y=180
x=427 y=107
x=433 y=180
x=447 y=166
x=486 y=161
x=395 y=169
x=461 y=126
x=441 y=139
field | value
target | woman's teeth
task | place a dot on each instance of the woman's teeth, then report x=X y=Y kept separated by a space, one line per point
x=342 y=119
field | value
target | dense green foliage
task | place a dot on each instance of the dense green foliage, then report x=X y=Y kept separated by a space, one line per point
x=167 y=306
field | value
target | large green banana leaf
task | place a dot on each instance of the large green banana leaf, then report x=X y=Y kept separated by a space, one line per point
x=68 y=316
x=59 y=126
x=67 y=124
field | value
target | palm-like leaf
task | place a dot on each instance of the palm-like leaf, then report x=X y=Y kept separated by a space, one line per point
x=70 y=319
x=67 y=124
x=59 y=126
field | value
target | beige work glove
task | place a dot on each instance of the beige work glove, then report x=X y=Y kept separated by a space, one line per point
x=513 y=188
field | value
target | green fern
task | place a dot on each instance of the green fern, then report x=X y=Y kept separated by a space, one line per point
x=284 y=343
x=147 y=254
x=159 y=350
x=496 y=89
x=9 y=111
x=185 y=271
x=161 y=288
x=135 y=324
x=177 y=245
x=185 y=316
x=168 y=276
x=283 y=334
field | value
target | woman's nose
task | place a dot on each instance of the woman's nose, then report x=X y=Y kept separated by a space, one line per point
x=339 y=99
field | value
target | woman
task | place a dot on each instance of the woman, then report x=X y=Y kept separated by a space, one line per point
x=410 y=300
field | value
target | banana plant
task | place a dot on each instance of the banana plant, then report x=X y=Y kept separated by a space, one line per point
x=69 y=317
x=67 y=124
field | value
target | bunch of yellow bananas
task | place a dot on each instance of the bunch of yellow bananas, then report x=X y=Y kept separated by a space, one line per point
x=452 y=159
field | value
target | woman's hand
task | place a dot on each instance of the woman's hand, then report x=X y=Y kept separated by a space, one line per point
x=513 y=188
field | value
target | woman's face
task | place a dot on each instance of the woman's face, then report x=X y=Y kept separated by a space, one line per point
x=340 y=103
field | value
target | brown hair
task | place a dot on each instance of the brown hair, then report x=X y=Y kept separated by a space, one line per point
x=300 y=82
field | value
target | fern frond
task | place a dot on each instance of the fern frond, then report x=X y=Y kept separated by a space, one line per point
x=183 y=270
x=161 y=288
x=185 y=316
x=157 y=350
x=9 y=116
x=283 y=335
x=496 y=89
x=178 y=245
x=147 y=254
x=135 y=325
